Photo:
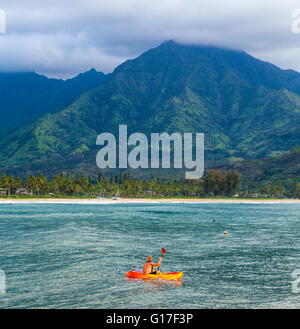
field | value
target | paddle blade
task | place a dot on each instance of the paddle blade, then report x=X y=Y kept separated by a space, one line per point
x=163 y=251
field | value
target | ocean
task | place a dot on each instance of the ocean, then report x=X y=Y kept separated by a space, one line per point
x=76 y=255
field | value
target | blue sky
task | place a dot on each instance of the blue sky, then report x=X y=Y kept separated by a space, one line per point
x=63 y=38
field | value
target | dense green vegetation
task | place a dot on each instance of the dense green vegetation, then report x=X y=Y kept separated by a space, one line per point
x=282 y=170
x=247 y=108
x=214 y=184
x=24 y=97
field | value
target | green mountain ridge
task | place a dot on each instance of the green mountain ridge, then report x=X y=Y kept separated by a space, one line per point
x=26 y=96
x=247 y=108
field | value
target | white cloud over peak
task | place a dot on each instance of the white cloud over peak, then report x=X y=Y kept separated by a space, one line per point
x=63 y=38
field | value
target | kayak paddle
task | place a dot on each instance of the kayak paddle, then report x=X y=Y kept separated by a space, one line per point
x=163 y=251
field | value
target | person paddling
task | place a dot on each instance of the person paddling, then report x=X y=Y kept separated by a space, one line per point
x=149 y=266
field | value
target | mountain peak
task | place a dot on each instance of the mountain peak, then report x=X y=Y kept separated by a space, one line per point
x=88 y=74
x=246 y=108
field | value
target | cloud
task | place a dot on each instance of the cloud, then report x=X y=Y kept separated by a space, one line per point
x=56 y=55
x=63 y=38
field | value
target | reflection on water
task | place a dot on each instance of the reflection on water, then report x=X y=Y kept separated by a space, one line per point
x=150 y=286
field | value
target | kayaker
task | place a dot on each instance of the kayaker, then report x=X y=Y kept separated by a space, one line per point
x=149 y=266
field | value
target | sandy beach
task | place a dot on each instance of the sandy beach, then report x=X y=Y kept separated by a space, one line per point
x=141 y=200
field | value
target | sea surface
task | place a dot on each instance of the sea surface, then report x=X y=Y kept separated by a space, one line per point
x=76 y=255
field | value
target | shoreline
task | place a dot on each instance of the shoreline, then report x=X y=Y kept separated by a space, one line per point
x=142 y=200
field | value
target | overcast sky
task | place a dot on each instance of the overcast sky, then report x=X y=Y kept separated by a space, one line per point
x=61 y=38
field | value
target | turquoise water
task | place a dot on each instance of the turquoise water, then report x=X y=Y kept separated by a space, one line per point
x=76 y=255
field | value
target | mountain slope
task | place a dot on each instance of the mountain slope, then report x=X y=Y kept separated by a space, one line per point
x=246 y=108
x=283 y=169
x=27 y=96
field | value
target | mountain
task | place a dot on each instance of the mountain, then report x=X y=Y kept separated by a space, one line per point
x=26 y=96
x=247 y=108
x=284 y=169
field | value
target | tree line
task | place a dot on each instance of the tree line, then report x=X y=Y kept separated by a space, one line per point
x=215 y=183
